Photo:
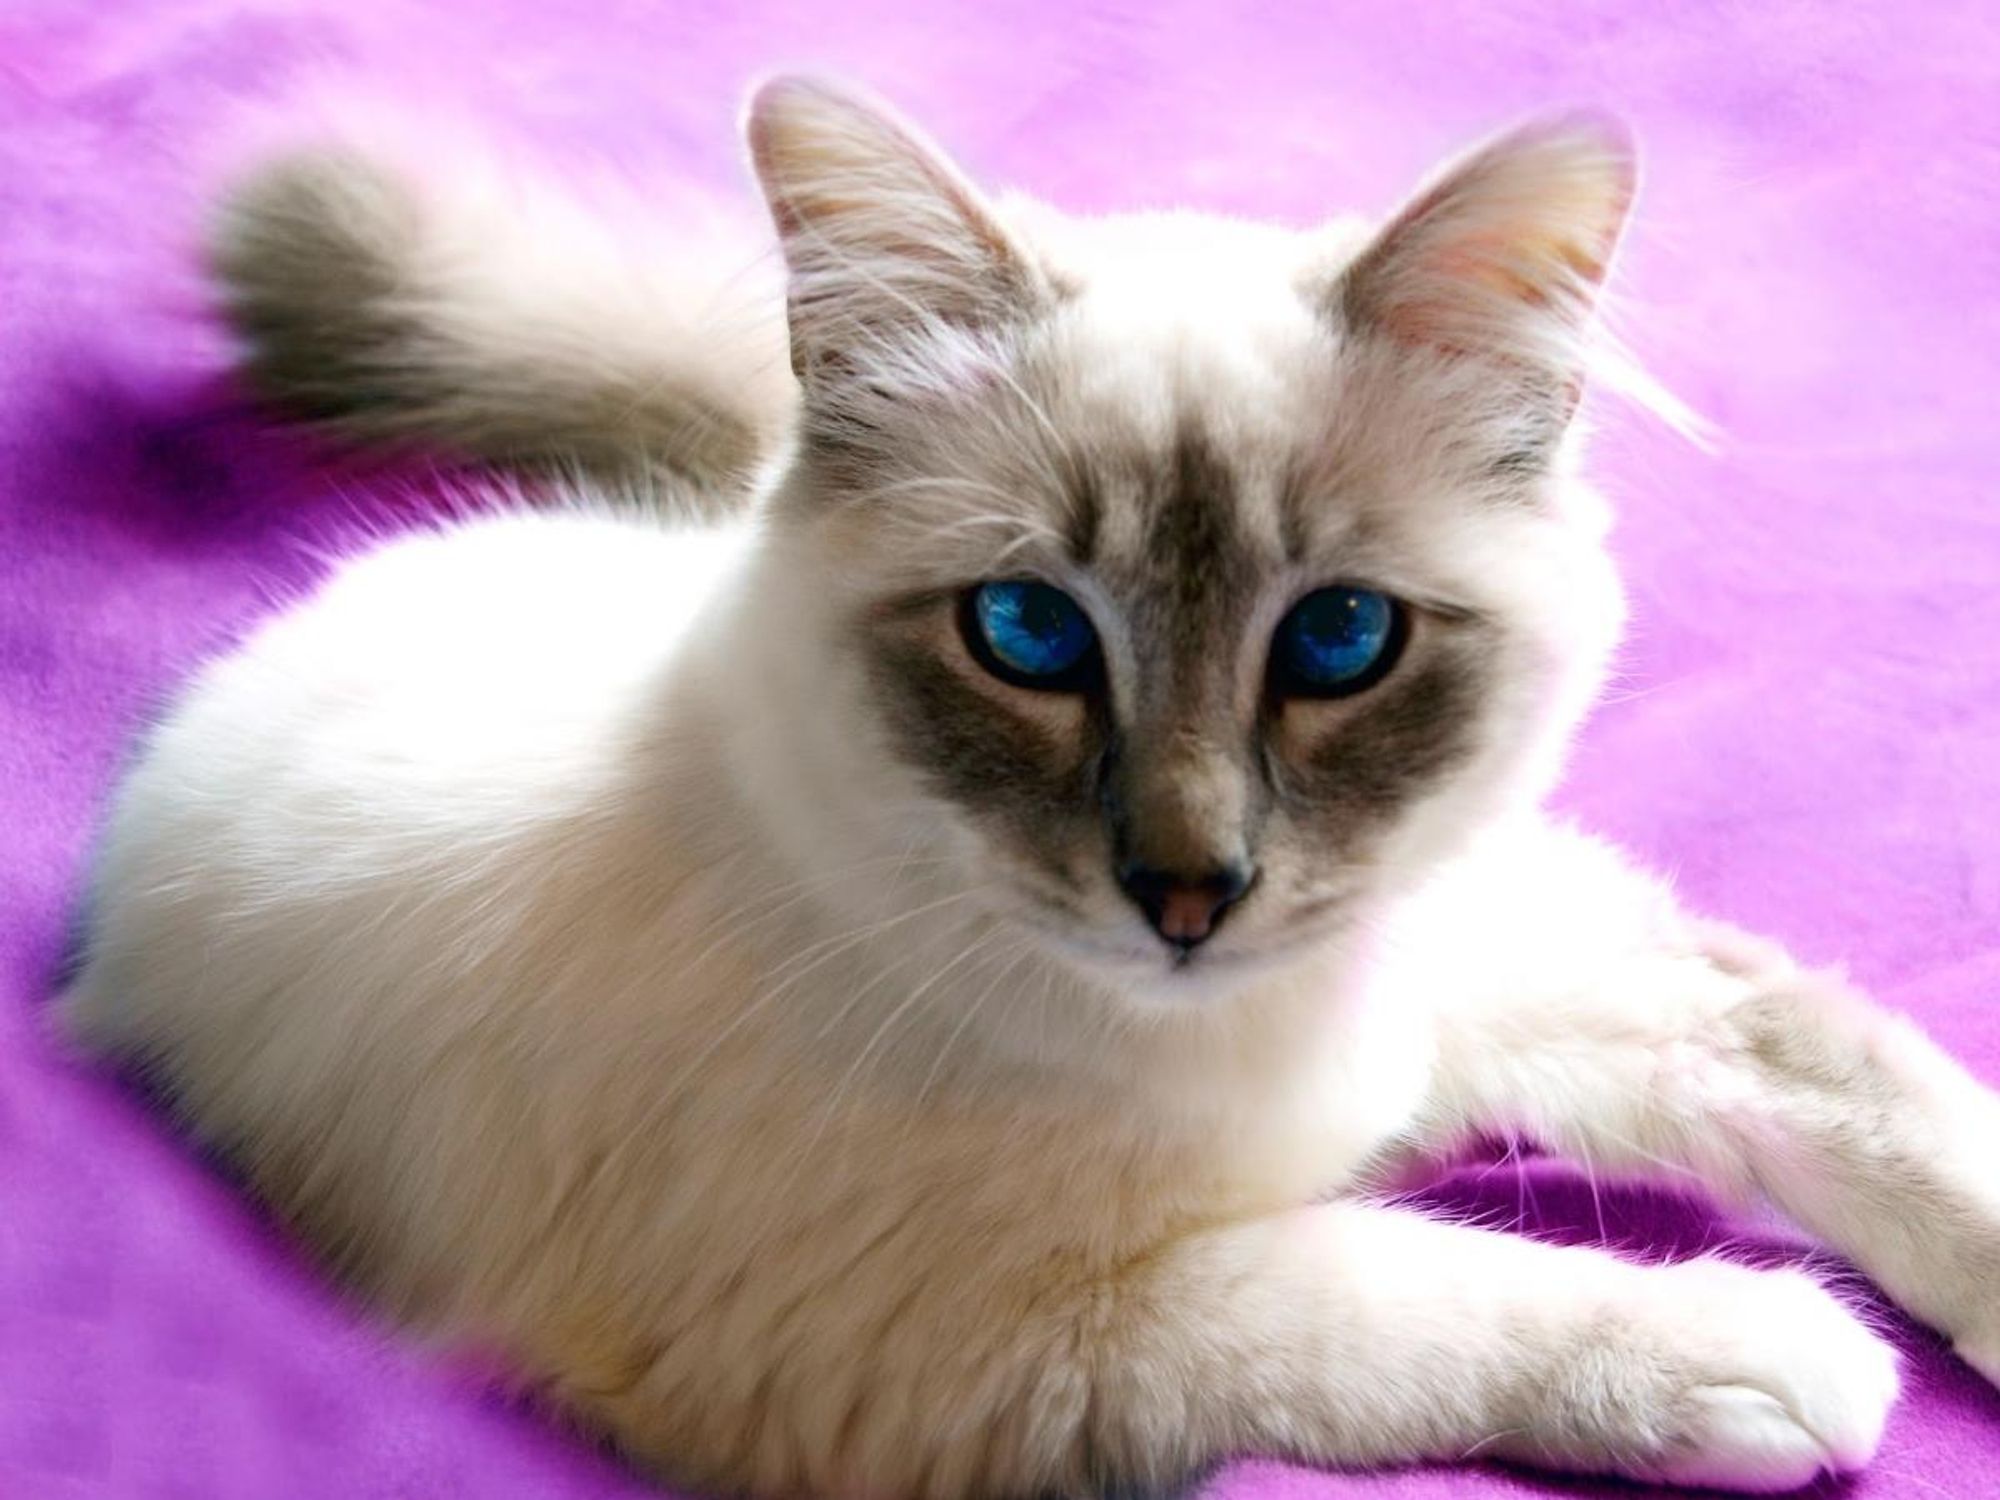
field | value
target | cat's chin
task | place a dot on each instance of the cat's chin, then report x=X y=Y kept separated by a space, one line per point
x=1155 y=976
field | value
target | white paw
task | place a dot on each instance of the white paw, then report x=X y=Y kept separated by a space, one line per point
x=1737 y=1437
x=1785 y=1382
x=1730 y=1378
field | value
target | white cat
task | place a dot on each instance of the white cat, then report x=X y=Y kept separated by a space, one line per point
x=904 y=989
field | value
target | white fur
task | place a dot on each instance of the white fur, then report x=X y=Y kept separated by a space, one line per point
x=537 y=917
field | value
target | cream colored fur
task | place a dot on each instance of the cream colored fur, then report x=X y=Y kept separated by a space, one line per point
x=539 y=918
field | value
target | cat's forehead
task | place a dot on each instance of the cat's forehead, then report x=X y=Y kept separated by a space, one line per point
x=1191 y=410
x=1170 y=265
x=1163 y=312
x=1190 y=379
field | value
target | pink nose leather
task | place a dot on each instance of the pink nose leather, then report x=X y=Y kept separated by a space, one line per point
x=1187 y=914
x=1184 y=911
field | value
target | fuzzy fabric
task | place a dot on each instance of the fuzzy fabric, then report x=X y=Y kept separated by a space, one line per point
x=1807 y=729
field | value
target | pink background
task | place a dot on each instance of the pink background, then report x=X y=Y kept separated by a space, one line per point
x=1807 y=729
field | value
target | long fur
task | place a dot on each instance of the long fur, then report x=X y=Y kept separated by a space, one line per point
x=467 y=309
x=662 y=952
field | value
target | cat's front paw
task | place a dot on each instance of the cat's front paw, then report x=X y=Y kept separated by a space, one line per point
x=1758 y=1381
x=1776 y=1382
x=1745 y=1437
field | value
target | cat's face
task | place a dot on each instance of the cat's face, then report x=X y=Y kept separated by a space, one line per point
x=1206 y=580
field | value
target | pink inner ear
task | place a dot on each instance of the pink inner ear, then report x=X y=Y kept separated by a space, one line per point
x=1455 y=279
x=1500 y=263
x=1524 y=229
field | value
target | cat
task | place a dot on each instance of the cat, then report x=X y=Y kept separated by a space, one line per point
x=902 y=963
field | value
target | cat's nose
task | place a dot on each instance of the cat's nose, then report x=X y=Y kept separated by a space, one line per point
x=1185 y=908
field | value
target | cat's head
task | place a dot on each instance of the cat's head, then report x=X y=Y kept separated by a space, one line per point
x=1185 y=584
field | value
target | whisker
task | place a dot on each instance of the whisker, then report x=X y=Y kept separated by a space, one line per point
x=1025 y=952
x=804 y=890
x=843 y=943
x=882 y=1031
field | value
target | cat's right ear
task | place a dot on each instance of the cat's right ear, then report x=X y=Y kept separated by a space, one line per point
x=883 y=236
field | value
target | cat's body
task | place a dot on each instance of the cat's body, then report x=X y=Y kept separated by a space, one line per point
x=612 y=941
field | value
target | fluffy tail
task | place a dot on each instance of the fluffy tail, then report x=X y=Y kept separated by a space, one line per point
x=504 y=325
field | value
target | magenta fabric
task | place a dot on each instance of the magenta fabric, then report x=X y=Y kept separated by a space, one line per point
x=1806 y=729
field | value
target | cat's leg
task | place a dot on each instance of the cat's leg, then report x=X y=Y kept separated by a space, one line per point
x=1599 y=1021
x=1350 y=1334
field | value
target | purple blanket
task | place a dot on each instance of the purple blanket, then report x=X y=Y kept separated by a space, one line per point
x=1807 y=728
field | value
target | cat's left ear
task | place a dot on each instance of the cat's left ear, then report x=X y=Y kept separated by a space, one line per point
x=1501 y=258
x=883 y=236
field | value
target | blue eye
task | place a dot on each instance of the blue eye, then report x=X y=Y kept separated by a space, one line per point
x=1030 y=635
x=1337 y=641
